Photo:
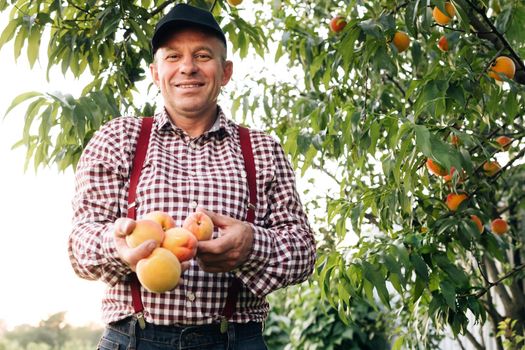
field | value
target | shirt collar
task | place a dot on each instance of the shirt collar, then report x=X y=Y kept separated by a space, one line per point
x=221 y=125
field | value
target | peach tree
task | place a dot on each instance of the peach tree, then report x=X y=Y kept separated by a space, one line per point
x=360 y=117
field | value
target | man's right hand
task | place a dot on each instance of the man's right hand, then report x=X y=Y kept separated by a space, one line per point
x=131 y=256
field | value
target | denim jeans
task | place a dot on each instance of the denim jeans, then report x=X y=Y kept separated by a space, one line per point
x=127 y=335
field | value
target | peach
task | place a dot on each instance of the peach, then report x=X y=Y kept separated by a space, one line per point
x=504 y=142
x=491 y=168
x=499 y=226
x=436 y=168
x=159 y=272
x=454 y=200
x=200 y=225
x=164 y=219
x=478 y=223
x=180 y=242
x=442 y=18
x=443 y=44
x=337 y=24
x=145 y=230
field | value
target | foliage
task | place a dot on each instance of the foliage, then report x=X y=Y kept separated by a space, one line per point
x=51 y=334
x=300 y=319
x=352 y=109
x=506 y=330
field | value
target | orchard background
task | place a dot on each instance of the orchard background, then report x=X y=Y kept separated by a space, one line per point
x=368 y=113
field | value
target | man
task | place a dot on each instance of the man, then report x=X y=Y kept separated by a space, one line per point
x=194 y=162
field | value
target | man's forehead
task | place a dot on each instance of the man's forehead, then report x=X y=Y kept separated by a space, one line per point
x=196 y=35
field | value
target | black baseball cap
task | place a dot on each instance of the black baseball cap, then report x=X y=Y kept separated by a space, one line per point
x=183 y=15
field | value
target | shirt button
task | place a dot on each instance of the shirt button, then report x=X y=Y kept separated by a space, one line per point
x=243 y=174
x=193 y=204
x=191 y=296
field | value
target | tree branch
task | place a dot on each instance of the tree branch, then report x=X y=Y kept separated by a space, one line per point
x=497 y=38
x=473 y=340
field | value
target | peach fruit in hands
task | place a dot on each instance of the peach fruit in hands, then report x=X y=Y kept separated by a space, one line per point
x=499 y=226
x=200 y=225
x=442 y=18
x=164 y=219
x=145 y=230
x=180 y=242
x=159 y=272
x=454 y=200
x=337 y=24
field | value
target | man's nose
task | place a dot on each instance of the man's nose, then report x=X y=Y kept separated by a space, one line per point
x=187 y=65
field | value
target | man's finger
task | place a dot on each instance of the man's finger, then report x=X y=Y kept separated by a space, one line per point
x=217 y=246
x=124 y=226
x=217 y=219
x=132 y=255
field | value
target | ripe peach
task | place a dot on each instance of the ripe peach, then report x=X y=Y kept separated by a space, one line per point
x=454 y=200
x=478 y=223
x=337 y=24
x=164 y=219
x=159 y=272
x=504 y=142
x=234 y=2
x=499 y=226
x=436 y=168
x=448 y=177
x=443 y=44
x=200 y=225
x=502 y=65
x=454 y=140
x=180 y=242
x=401 y=41
x=442 y=18
x=145 y=230
x=491 y=168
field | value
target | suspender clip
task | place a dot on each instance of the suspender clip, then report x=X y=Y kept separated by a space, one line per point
x=141 y=320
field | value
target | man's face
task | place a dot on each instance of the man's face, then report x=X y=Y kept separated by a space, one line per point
x=190 y=69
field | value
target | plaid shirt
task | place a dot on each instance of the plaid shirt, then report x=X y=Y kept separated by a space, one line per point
x=179 y=174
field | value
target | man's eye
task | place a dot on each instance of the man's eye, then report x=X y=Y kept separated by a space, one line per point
x=172 y=57
x=203 y=56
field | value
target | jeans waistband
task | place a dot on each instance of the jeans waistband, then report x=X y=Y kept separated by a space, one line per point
x=242 y=330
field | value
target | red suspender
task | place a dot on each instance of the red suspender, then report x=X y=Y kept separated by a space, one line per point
x=136 y=168
x=249 y=166
x=138 y=161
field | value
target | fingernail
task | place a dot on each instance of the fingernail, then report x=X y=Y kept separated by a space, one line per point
x=152 y=245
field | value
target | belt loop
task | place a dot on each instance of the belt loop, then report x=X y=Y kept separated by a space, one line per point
x=132 y=334
x=231 y=336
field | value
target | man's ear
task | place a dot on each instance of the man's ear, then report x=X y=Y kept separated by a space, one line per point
x=154 y=73
x=227 y=71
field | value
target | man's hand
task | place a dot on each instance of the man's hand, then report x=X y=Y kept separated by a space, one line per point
x=131 y=256
x=230 y=249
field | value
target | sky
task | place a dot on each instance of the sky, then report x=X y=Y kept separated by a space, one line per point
x=35 y=215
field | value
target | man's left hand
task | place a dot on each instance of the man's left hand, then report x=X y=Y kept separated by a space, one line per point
x=230 y=249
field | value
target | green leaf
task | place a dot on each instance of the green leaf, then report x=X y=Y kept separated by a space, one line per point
x=21 y=98
x=33 y=45
x=373 y=274
x=449 y=293
x=9 y=31
x=419 y=266
x=433 y=147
